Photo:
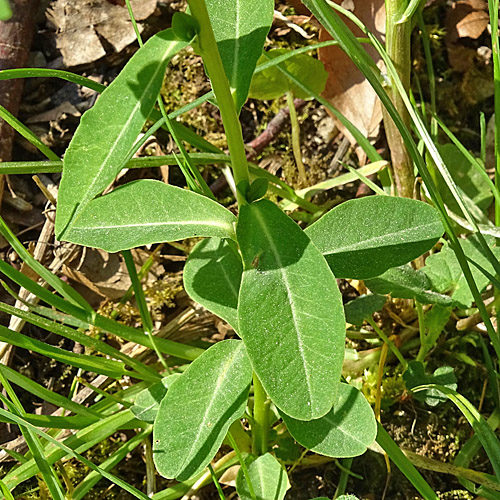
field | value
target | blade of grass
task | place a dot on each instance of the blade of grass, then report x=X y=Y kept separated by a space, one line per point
x=147 y=320
x=48 y=473
x=493 y=9
x=365 y=180
x=403 y=464
x=166 y=346
x=365 y=144
x=72 y=453
x=103 y=366
x=488 y=438
x=112 y=461
x=6 y=493
x=142 y=371
x=475 y=164
x=54 y=281
x=27 y=133
x=322 y=9
x=56 y=422
x=80 y=442
x=41 y=392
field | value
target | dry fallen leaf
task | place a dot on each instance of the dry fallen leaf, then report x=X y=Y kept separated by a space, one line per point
x=346 y=88
x=465 y=19
x=105 y=274
x=80 y=24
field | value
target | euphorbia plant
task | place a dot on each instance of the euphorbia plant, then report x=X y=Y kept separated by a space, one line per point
x=273 y=282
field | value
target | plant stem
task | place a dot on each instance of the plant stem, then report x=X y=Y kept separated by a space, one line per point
x=297 y=153
x=261 y=407
x=389 y=343
x=345 y=469
x=213 y=63
x=421 y=328
x=147 y=321
x=493 y=8
x=243 y=465
x=398 y=49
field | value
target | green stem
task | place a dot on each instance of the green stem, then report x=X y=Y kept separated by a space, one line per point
x=430 y=72
x=243 y=464
x=216 y=482
x=345 y=470
x=147 y=321
x=421 y=327
x=213 y=63
x=297 y=153
x=261 y=414
x=398 y=41
x=493 y=8
x=389 y=343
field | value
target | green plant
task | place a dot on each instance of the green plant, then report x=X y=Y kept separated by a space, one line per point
x=273 y=282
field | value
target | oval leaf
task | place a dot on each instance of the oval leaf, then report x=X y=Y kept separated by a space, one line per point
x=199 y=407
x=272 y=83
x=360 y=309
x=405 y=283
x=346 y=431
x=108 y=130
x=148 y=211
x=268 y=478
x=446 y=275
x=240 y=29
x=363 y=238
x=290 y=312
x=212 y=277
x=148 y=401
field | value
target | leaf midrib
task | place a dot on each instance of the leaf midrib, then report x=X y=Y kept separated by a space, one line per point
x=124 y=130
x=221 y=378
x=291 y=300
x=366 y=243
x=149 y=224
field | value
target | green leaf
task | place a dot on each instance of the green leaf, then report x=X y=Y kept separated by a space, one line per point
x=103 y=366
x=148 y=211
x=240 y=29
x=403 y=464
x=199 y=407
x=101 y=144
x=184 y=26
x=212 y=277
x=80 y=442
x=268 y=478
x=415 y=375
x=346 y=431
x=435 y=320
x=405 y=283
x=50 y=396
x=258 y=189
x=272 y=83
x=3 y=488
x=287 y=450
x=5 y=10
x=467 y=178
x=290 y=312
x=362 y=238
x=488 y=438
x=357 y=311
x=148 y=401
x=445 y=273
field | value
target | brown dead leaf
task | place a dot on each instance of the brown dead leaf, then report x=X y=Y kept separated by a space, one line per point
x=473 y=24
x=81 y=23
x=105 y=274
x=346 y=88
x=465 y=19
